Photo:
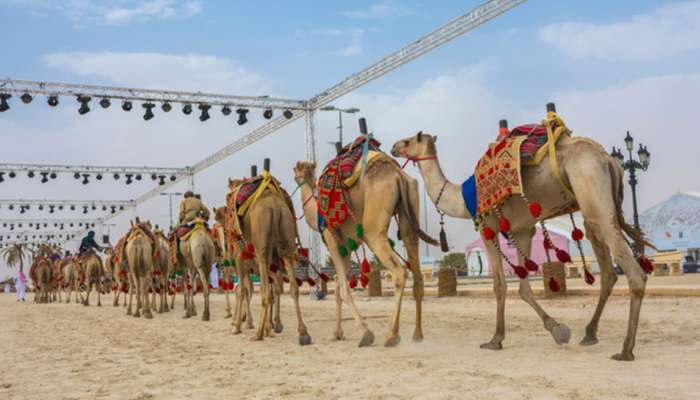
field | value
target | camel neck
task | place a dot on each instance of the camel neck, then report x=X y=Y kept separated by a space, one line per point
x=450 y=200
x=309 y=203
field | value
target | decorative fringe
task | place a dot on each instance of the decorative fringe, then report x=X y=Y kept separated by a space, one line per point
x=503 y=224
x=323 y=276
x=520 y=271
x=298 y=281
x=590 y=279
x=563 y=256
x=531 y=265
x=535 y=209
x=364 y=281
x=353 y=281
x=273 y=268
x=352 y=245
x=311 y=281
x=342 y=250
x=553 y=284
x=365 y=267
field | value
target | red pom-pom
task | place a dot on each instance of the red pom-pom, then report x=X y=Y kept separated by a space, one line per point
x=247 y=255
x=285 y=278
x=122 y=272
x=170 y=293
x=150 y=290
x=577 y=234
x=547 y=245
x=210 y=286
x=553 y=285
x=311 y=281
x=304 y=252
x=158 y=290
x=323 y=276
x=646 y=264
x=531 y=265
x=273 y=268
x=189 y=287
x=590 y=279
x=125 y=288
x=364 y=280
x=563 y=256
x=179 y=289
x=504 y=224
x=249 y=248
x=298 y=281
x=353 y=281
x=520 y=271
x=488 y=233
x=365 y=267
x=270 y=280
x=535 y=209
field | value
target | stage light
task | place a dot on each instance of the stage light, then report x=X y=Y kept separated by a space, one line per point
x=149 y=111
x=98 y=177
x=162 y=180
x=113 y=209
x=128 y=178
x=41 y=207
x=166 y=107
x=12 y=174
x=83 y=100
x=72 y=207
x=52 y=175
x=242 y=119
x=2 y=177
x=11 y=207
x=104 y=208
x=173 y=177
x=205 y=112
x=4 y=105
x=187 y=109
x=154 y=177
x=44 y=177
x=126 y=105
x=26 y=98
x=76 y=175
x=52 y=209
x=85 y=179
x=30 y=174
x=116 y=177
x=85 y=211
x=104 y=103
x=53 y=100
x=138 y=177
x=288 y=114
x=21 y=211
x=94 y=207
x=121 y=208
x=60 y=206
x=267 y=113
x=226 y=110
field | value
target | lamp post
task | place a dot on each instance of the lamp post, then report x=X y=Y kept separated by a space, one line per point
x=632 y=166
x=170 y=198
x=352 y=110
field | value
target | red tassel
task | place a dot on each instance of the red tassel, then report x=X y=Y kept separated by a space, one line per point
x=364 y=281
x=150 y=290
x=247 y=255
x=353 y=281
x=304 y=252
x=563 y=256
x=531 y=265
x=577 y=234
x=311 y=281
x=122 y=272
x=189 y=287
x=323 y=276
x=504 y=224
x=535 y=209
x=520 y=271
x=365 y=267
x=273 y=268
x=179 y=289
x=211 y=287
x=270 y=280
x=488 y=233
x=170 y=293
x=249 y=248
x=590 y=279
x=157 y=290
x=285 y=278
x=646 y=264
x=125 y=288
x=553 y=285
x=299 y=281
x=547 y=245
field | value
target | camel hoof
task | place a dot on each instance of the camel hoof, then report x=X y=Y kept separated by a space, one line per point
x=137 y=315
x=255 y=338
x=624 y=356
x=128 y=312
x=227 y=316
x=491 y=346
x=236 y=331
x=338 y=335
x=148 y=316
x=392 y=341
x=186 y=316
x=589 y=340
x=99 y=304
x=367 y=339
x=418 y=337
x=205 y=317
x=304 y=340
x=278 y=327
x=561 y=334
x=115 y=305
x=86 y=304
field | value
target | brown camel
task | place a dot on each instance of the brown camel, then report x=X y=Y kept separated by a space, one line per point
x=384 y=192
x=139 y=256
x=161 y=270
x=596 y=182
x=70 y=270
x=43 y=273
x=91 y=264
x=197 y=255
x=224 y=255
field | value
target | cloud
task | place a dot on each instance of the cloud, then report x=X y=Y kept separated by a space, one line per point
x=155 y=9
x=350 y=51
x=163 y=71
x=669 y=30
x=354 y=33
x=380 y=10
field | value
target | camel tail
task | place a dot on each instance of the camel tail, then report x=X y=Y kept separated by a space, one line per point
x=408 y=211
x=635 y=234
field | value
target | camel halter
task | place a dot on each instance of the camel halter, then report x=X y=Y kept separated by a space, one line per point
x=417 y=159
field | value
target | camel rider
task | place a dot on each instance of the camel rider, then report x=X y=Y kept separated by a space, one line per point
x=192 y=207
x=88 y=243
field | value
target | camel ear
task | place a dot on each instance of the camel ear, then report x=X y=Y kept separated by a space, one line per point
x=419 y=136
x=435 y=139
x=313 y=165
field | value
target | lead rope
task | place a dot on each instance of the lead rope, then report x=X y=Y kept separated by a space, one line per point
x=443 y=236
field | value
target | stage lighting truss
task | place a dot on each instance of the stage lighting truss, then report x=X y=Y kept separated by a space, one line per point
x=40 y=225
x=85 y=173
x=52 y=206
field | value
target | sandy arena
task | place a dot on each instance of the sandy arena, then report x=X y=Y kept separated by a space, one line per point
x=67 y=351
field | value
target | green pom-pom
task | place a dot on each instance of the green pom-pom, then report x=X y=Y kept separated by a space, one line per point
x=342 y=250
x=178 y=272
x=171 y=276
x=352 y=245
x=359 y=230
x=233 y=262
x=391 y=243
x=226 y=263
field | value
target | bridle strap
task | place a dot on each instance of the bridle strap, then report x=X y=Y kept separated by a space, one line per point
x=415 y=160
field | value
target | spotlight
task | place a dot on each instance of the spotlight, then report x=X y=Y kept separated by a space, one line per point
x=85 y=211
x=267 y=114
x=154 y=177
x=85 y=179
x=242 y=119
x=26 y=98
x=53 y=100
x=226 y=110
x=21 y=211
x=104 y=208
x=98 y=177
x=126 y=105
x=166 y=107
x=138 y=177
x=113 y=209
x=288 y=114
x=94 y=207
x=60 y=206
x=72 y=207
x=173 y=177
x=12 y=174
x=121 y=208
x=76 y=175
x=104 y=103
x=162 y=180
x=128 y=178
x=83 y=100
x=187 y=109
x=149 y=111
x=2 y=177
x=30 y=174
x=52 y=175
x=4 y=106
x=116 y=177
x=41 y=207
x=205 y=112
x=44 y=177
x=52 y=209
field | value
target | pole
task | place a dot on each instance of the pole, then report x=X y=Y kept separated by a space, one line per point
x=340 y=127
x=170 y=199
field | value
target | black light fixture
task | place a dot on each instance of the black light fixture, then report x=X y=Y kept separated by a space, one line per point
x=41 y=207
x=138 y=177
x=113 y=209
x=76 y=175
x=242 y=119
x=30 y=174
x=44 y=177
x=126 y=105
x=116 y=176
x=83 y=100
x=98 y=177
x=205 y=112
x=187 y=109
x=161 y=180
x=2 y=177
x=53 y=100
x=128 y=178
x=288 y=114
x=166 y=107
x=60 y=206
x=4 y=105
x=72 y=207
x=226 y=110
x=52 y=208
x=12 y=174
x=173 y=177
x=105 y=103
x=52 y=175
x=154 y=176
x=85 y=179
x=149 y=111
x=85 y=211
x=267 y=113
x=26 y=98
x=94 y=207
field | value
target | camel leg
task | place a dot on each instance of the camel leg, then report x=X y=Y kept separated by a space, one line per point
x=278 y=286
x=227 y=297
x=203 y=277
x=499 y=289
x=115 y=303
x=608 y=278
x=248 y=298
x=338 y=334
x=86 y=302
x=138 y=294
x=99 y=292
x=238 y=311
x=304 y=337
x=410 y=241
x=193 y=308
x=263 y=259
x=145 y=284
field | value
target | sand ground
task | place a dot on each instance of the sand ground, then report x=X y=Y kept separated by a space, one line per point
x=67 y=351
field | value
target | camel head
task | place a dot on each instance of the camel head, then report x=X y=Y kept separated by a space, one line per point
x=415 y=147
x=234 y=183
x=220 y=214
x=305 y=172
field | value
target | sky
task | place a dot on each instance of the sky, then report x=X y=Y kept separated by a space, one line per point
x=610 y=67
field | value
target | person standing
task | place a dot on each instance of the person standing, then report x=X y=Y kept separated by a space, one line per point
x=21 y=285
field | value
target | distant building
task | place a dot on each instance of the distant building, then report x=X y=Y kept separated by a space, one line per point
x=674 y=224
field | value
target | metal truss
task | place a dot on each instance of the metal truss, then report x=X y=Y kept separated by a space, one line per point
x=85 y=172
x=48 y=223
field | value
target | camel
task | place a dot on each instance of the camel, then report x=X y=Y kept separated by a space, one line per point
x=384 y=192
x=197 y=255
x=115 y=274
x=139 y=256
x=91 y=265
x=595 y=179
x=227 y=271
x=70 y=271
x=42 y=274
x=161 y=270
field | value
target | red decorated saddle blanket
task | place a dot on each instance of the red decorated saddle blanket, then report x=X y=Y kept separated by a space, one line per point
x=247 y=188
x=536 y=137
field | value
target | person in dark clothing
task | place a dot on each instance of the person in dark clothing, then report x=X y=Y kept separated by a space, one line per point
x=88 y=243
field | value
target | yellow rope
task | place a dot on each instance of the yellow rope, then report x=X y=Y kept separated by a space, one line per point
x=551 y=143
x=268 y=181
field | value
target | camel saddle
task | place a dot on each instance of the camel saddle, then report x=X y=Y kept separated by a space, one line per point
x=136 y=229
